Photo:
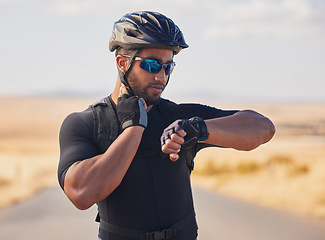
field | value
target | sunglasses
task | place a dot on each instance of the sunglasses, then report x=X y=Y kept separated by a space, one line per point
x=154 y=66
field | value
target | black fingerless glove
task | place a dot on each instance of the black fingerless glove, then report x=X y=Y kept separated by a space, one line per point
x=131 y=112
x=172 y=128
x=195 y=128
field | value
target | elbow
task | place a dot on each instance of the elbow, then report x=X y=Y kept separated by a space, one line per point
x=84 y=198
x=79 y=199
x=264 y=130
x=81 y=204
x=264 y=135
x=248 y=144
x=269 y=131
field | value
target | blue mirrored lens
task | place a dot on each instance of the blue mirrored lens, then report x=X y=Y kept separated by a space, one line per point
x=169 y=68
x=154 y=66
x=150 y=65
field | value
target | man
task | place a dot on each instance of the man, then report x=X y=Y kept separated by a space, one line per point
x=132 y=152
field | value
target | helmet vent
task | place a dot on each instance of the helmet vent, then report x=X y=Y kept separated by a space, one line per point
x=180 y=39
x=160 y=37
x=133 y=33
x=136 y=18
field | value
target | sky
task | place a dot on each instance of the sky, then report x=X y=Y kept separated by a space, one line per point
x=240 y=50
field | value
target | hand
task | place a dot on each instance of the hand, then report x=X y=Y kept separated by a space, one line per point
x=131 y=111
x=172 y=140
x=173 y=145
x=182 y=134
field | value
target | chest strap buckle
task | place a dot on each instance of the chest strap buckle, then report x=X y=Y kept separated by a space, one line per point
x=165 y=234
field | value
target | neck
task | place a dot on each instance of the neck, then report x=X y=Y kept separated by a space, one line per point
x=116 y=93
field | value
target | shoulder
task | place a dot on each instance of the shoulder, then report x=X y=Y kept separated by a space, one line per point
x=85 y=117
x=78 y=122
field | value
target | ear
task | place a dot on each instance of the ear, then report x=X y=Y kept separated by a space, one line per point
x=122 y=63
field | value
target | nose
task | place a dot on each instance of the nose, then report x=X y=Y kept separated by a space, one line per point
x=161 y=76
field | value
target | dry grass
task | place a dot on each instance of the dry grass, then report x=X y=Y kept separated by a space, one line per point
x=29 y=151
x=276 y=163
x=287 y=173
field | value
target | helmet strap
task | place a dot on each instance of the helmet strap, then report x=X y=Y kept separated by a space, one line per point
x=124 y=75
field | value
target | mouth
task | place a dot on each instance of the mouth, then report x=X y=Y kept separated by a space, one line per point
x=157 y=88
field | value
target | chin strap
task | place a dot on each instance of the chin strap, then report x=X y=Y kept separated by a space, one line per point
x=124 y=75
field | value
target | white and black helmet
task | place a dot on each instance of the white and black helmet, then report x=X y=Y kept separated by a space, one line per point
x=146 y=30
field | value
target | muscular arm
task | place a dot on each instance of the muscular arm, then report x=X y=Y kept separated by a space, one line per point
x=91 y=180
x=244 y=130
x=92 y=177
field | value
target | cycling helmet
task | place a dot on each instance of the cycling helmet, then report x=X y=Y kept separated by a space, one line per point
x=146 y=30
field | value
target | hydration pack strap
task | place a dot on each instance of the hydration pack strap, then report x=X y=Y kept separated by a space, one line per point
x=158 y=235
x=106 y=124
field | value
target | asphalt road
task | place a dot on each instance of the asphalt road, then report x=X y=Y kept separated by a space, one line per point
x=50 y=216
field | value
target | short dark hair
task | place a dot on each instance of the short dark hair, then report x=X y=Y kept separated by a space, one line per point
x=122 y=51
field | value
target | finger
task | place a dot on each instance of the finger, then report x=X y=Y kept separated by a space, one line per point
x=173 y=145
x=181 y=133
x=173 y=156
x=165 y=137
x=168 y=150
x=175 y=137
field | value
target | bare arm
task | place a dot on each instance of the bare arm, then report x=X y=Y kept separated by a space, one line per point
x=92 y=180
x=244 y=130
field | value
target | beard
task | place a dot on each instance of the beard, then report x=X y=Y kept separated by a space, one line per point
x=141 y=90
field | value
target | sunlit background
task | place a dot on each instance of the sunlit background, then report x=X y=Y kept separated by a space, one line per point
x=266 y=50
x=266 y=55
